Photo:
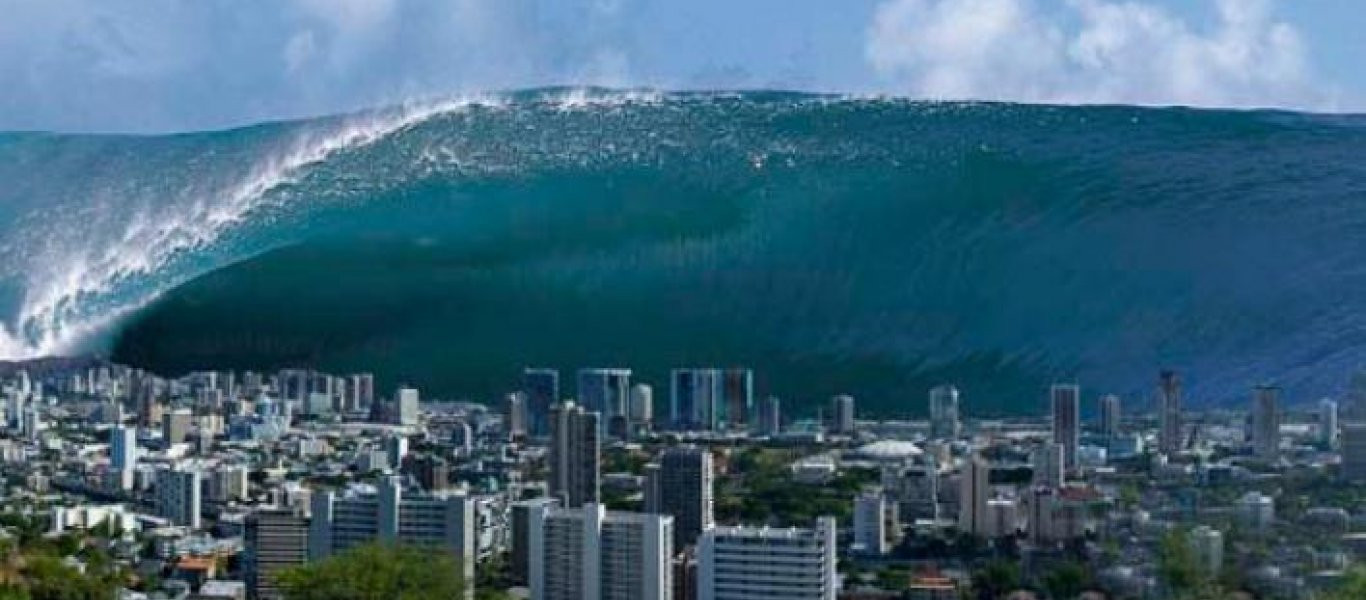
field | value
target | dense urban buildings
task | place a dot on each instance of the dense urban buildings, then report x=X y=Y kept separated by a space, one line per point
x=687 y=500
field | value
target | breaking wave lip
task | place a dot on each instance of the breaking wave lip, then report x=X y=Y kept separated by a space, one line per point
x=56 y=314
x=73 y=292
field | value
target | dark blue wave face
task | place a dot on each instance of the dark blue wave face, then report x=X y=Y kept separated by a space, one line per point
x=876 y=247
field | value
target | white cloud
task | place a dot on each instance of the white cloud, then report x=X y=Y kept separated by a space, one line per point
x=1092 y=51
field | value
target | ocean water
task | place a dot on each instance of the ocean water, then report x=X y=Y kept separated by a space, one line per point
x=863 y=245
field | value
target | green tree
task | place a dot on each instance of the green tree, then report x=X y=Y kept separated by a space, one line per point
x=378 y=572
x=1353 y=587
x=1065 y=581
x=995 y=580
x=1177 y=564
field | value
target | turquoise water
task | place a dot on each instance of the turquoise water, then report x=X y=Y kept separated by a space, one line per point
x=872 y=246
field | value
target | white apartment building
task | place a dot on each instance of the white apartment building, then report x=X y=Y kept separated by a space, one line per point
x=742 y=563
x=588 y=553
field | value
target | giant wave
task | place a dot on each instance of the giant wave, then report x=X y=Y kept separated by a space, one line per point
x=871 y=245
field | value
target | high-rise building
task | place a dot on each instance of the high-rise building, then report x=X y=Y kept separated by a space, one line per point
x=1067 y=421
x=589 y=553
x=695 y=399
x=123 y=454
x=406 y=406
x=1050 y=462
x=771 y=417
x=743 y=563
x=575 y=462
x=123 y=448
x=737 y=397
x=641 y=410
x=680 y=485
x=944 y=418
x=875 y=522
x=276 y=539
x=1109 y=416
x=175 y=425
x=178 y=494
x=360 y=392
x=974 y=491
x=542 y=389
x=515 y=414
x=389 y=515
x=604 y=391
x=1328 y=423
x=1353 y=440
x=1169 y=413
x=842 y=415
x=519 y=542
x=1266 y=422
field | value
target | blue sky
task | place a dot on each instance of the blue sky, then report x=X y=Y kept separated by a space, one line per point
x=163 y=65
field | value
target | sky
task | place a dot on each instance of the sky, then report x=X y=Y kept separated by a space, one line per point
x=181 y=65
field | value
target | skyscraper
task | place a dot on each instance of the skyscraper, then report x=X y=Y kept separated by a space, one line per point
x=123 y=448
x=123 y=454
x=1067 y=421
x=944 y=418
x=642 y=406
x=680 y=484
x=575 y=462
x=974 y=491
x=1109 y=416
x=360 y=392
x=842 y=415
x=695 y=399
x=406 y=406
x=737 y=392
x=771 y=417
x=743 y=563
x=542 y=389
x=515 y=414
x=1328 y=423
x=589 y=553
x=1266 y=422
x=1169 y=412
x=604 y=391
